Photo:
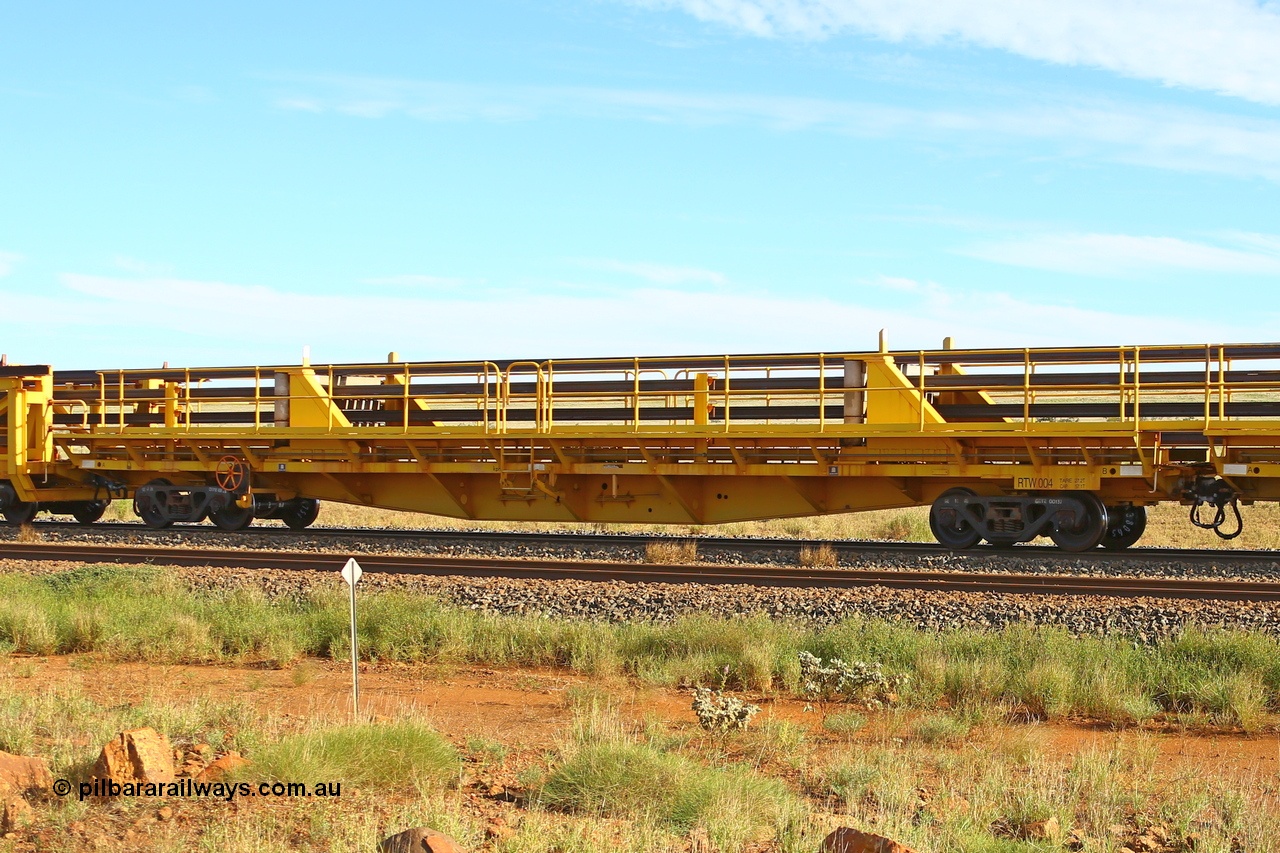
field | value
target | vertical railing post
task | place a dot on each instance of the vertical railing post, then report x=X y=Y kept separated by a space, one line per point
x=1026 y=389
x=921 y=384
x=635 y=399
x=726 y=393
x=822 y=392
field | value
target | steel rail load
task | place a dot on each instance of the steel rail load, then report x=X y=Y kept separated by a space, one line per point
x=1004 y=445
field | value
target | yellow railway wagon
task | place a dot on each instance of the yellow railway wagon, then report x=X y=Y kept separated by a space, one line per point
x=1004 y=444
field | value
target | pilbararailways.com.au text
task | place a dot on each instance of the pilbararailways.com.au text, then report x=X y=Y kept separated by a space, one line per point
x=191 y=788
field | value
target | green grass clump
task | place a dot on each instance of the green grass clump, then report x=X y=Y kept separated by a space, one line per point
x=844 y=722
x=395 y=754
x=624 y=779
x=940 y=728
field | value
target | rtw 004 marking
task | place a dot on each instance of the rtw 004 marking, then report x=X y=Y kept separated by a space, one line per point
x=1058 y=483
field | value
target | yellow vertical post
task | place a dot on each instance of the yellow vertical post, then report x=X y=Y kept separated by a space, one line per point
x=170 y=405
x=701 y=399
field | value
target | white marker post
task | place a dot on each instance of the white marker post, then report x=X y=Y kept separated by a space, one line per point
x=351 y=573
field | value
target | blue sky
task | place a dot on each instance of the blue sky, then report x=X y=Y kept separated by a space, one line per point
x=229 y=183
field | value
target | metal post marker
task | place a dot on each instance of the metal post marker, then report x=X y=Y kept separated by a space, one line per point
x=351 y=573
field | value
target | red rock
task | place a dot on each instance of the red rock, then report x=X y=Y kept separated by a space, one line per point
x=140 y=755
x=849 y=840
x=20 y=773
x=17 y=813
x=220 y=767
x=420 y=839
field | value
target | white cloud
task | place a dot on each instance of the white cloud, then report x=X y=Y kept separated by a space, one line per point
x=1124 y=254
x=1181 y=139
x=8 y=260
x=640 y=321
x=1231 y=47
x=658 y=273
x=431 y=281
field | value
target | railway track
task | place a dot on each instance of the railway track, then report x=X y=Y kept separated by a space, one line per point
x=718 y=543
x=1132 y=587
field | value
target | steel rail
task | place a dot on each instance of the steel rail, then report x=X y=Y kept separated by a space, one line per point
x=1128 y=587
x=727 y=543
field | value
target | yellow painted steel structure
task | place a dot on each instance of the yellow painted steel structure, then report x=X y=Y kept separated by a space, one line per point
x=697 y=439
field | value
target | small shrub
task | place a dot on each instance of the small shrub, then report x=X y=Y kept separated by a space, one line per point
x=820 y=680
x=719 y=713
x=671 y=553
x=824 y=556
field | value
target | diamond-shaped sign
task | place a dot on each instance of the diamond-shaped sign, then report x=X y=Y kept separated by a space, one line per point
x=351 y=572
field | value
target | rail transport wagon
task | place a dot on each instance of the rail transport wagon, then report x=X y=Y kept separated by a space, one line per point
x=1004 y=445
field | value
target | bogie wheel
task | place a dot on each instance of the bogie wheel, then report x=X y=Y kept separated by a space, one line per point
x=87 y=512
x=21 y=513
x=233 y=517
x=151 y=515
x=299 y=513
x=1125 y=525
x=948 y=527
x=1088 y=531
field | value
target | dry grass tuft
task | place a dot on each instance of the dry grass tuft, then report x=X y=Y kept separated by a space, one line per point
x=671 y=553
x=28 y=534
x=824 y=556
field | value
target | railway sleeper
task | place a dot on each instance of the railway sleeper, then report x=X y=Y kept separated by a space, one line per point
x=1075 y=521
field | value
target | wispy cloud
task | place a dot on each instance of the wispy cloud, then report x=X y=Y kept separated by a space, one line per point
x=422 y=281
x=1181 y=139
x=1120 y=255
x=657 y=273
x=1231 y=47
x=637 y=321
x=8 y=260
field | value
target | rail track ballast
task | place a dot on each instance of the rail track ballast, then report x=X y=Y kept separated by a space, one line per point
x=1004 y=445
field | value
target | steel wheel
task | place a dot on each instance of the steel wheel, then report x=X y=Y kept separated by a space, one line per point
x=87 y=512
x=21 y=512
x=152 y=516
x=299 y=513
x=1088 y=531
x=948 y=526
x=233 y=517
x=1125 y=525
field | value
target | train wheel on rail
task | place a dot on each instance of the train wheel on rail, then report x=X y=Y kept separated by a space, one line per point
x=233 y=517
x=87 y=512
x=1088 y=531
x=948 y=526
x=1125 y=525
x=21 y=512
x=151 y=514
x=300 y=513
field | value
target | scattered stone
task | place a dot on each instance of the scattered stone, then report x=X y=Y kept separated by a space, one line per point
x=420 y=839
x=498 y=832
x=1042 y=830
x=17 y=814
x=139 y=755
x=222 y=766
x=21 y=773
x=165 y=813
x=849 y=840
